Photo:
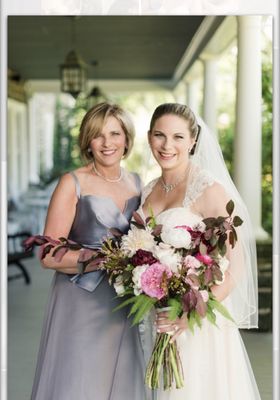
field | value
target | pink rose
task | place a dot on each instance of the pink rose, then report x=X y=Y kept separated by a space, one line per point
x=152 y=279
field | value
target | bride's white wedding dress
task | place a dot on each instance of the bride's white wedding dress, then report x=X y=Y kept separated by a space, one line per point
x=215 y=363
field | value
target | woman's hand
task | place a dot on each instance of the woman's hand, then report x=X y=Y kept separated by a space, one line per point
x=175 y=327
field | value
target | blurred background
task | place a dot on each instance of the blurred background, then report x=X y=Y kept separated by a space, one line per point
x=60 y=66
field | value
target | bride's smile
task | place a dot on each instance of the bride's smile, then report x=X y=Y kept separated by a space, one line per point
x=170 y=141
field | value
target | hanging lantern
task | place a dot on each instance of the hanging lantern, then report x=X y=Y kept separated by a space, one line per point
x=95 y=96
x=73 y=75
x=73 y=71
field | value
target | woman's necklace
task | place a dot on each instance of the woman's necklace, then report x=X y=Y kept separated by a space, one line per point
x=118 y=179
x=168 y=187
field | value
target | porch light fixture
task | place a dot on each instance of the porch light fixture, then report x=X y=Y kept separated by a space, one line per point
x=95 y=96
x=73 y=72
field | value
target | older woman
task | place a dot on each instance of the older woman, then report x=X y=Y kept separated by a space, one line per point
x=86 y=350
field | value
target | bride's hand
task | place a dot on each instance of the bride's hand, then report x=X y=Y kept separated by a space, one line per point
x=175 y=327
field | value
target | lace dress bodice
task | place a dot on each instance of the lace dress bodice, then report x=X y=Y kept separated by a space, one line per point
x=199 y=180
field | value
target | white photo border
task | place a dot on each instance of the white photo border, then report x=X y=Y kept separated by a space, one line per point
x=34 y=7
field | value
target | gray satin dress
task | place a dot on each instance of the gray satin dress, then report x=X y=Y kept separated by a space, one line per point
x=87 y=351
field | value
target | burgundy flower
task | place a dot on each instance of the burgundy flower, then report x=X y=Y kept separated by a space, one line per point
x=143 y=257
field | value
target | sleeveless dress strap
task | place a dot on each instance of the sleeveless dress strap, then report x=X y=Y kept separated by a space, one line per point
x=77 y=184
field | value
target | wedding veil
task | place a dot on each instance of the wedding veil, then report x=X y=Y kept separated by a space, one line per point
x=242 y=302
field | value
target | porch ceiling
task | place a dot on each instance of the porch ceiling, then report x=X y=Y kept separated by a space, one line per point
x=126 y=47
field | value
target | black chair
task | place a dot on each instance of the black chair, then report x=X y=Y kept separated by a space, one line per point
x=16 y=254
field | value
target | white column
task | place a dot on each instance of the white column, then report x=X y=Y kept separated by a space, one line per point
x=13 y=178
x=209 y=93
x=34 y=156
x=193 y=95
x=47 y=125
x=49 y=130
x=23 y=143
x=247 y=154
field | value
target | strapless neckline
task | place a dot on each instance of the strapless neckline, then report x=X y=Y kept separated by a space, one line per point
x=168 y=214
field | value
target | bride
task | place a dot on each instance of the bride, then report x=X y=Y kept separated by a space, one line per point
x=195 y=184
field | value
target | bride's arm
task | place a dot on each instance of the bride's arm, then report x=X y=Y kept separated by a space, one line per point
x=61 y=213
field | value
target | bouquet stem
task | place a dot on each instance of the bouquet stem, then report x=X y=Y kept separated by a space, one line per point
x=164 y=356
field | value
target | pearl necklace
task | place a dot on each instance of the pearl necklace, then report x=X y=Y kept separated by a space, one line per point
x=120 y=177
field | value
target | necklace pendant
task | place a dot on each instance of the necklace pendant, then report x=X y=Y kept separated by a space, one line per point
x=167 y=188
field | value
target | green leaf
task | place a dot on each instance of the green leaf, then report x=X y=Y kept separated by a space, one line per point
x=210 y=315
x=191 y=321
x=137 y=225
x=198 y=319
x=138 y=218
x=230 y=207
x=175 y=308
x=231 y=239
x=125 y=303
x=221 y=241
x=234 y=233
x=220 y=220
x=145 y=306
x=208 y=234
x=139 y=300
x=209 y=222
x=151 y=221
x=220 y=308
x=237 y=221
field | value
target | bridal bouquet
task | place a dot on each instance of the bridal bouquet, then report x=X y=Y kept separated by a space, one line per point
x=161 y=266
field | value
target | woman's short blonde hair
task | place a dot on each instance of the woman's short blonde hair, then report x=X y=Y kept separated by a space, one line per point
x=93 y=122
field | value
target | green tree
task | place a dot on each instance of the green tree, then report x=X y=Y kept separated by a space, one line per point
x=267 y=144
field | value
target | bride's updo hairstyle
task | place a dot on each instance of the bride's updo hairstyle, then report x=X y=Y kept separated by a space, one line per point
x=182 y=111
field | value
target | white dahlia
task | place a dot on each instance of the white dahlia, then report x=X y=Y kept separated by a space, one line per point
x=137 y=239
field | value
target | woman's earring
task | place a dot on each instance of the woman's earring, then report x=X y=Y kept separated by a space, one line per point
x=89 y=150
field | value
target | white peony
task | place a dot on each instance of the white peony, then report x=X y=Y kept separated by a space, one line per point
x=136 y=278
x=167 y=256
x=137 y=239
x=176 y=237
x=118 y=285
